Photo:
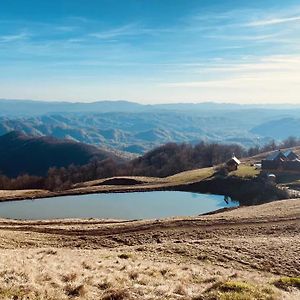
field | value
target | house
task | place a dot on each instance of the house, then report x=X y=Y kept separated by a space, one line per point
x=233 y=163
x=281 y=160
x=274 y=160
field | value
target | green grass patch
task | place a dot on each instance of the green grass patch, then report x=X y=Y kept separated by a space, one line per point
x=285 y=283
x=246 y=171
x=235 y=286
x=237 y=290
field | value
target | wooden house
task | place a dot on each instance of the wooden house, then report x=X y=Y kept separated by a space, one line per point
x=233 y=163
x=274 y=160
x=279 y=160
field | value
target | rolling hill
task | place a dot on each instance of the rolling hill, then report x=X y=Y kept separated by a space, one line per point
x=279 y=129
x=21 y=154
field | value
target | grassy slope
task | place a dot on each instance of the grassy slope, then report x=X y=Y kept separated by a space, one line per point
x=191 y=176
x=127 y=274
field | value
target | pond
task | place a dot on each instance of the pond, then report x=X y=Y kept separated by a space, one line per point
x=146 y=205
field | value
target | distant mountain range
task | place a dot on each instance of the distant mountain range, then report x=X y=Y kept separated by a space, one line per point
x=21 y=154
x=34 y=108
x=11 y=107
x=137 y=128
x=131 y=132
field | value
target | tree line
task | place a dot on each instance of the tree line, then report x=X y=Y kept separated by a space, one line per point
x=163 y=161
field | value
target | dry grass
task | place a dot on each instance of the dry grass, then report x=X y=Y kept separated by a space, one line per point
x=230 y=255
x=191 y=176
x=21 y=194
x=32 y=274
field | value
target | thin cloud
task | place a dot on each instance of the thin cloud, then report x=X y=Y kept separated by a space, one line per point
x=244 y=37
x=276 y=69
x=13 y=37
x=132 y=29
x=274 y=21
x=126 y=30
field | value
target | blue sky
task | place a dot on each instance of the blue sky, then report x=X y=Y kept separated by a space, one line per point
x=151 y=51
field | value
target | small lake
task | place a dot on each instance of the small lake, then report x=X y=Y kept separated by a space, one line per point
x=147 y=205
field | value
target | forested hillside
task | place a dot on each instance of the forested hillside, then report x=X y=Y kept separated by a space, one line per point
x=20 y=154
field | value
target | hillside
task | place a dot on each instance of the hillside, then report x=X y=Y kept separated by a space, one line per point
x=279 y=129
x=21 y=154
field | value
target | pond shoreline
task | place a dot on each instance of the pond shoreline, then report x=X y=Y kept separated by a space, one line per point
x=124 y=206
x=246 y=191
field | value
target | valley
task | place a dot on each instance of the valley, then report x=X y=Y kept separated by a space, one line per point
x=134 y=128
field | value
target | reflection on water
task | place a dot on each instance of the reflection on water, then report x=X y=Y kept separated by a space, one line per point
x=148 y=205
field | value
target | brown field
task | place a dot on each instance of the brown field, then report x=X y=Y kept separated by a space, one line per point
x=245 y=253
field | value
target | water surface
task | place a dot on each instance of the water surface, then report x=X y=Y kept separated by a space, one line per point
x=147 y=205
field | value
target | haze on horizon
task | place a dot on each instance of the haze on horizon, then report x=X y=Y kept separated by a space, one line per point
x=151 y=51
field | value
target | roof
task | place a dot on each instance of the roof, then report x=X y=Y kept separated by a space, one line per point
x=275 y=155
x=289 y=152
x=234 y=159
x=281 y=155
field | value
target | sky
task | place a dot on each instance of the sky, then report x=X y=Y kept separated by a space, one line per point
x=151 y=51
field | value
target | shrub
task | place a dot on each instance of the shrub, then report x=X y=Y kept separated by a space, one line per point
x=77 y=291
x=125 y=256
x=116 y=294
